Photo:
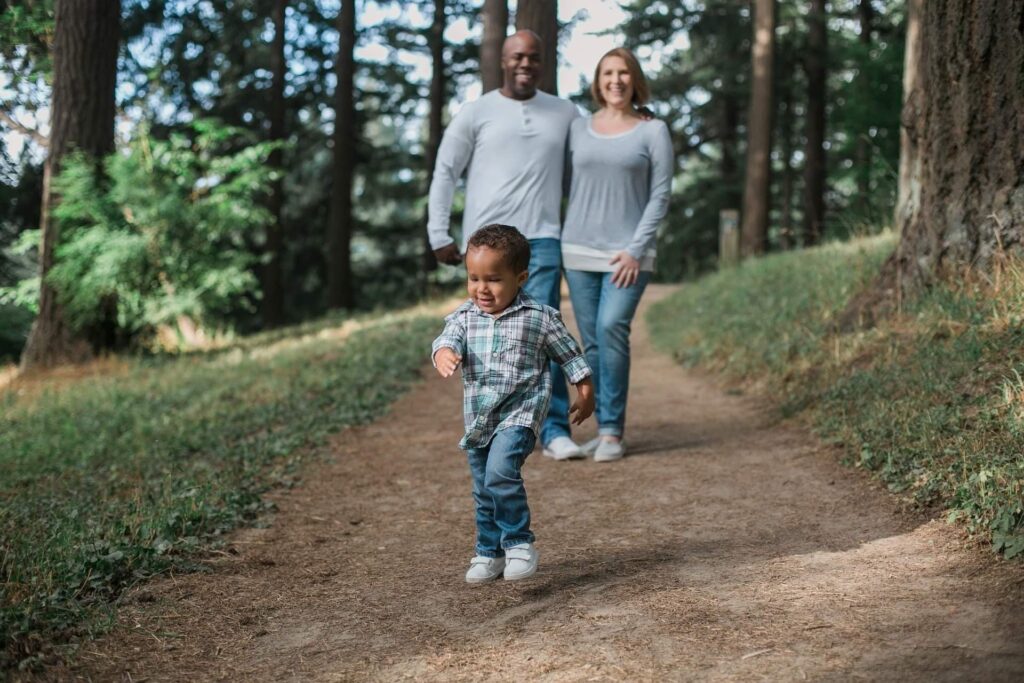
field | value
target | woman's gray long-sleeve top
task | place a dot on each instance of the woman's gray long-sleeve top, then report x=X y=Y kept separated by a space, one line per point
x=618 y=194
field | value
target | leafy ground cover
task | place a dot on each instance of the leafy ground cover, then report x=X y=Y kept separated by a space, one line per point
x=931 y=399
x=107 y=481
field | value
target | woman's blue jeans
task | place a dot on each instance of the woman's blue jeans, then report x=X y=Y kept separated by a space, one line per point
x=604 y=314
x=502 y=515
x=545 y=285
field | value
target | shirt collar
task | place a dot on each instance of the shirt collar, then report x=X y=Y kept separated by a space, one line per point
x=522 y=300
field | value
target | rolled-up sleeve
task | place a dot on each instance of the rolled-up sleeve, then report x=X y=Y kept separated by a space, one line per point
x=562 y=348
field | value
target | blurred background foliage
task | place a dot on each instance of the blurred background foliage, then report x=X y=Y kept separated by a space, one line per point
x=194 y=80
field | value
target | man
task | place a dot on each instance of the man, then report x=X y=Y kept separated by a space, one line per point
x=513 y=142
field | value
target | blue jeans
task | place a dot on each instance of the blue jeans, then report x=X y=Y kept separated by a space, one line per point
x=502 y=515
x=545 y=285
x=604 y=314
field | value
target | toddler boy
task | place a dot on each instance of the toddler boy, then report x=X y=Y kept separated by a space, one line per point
x=503 y=339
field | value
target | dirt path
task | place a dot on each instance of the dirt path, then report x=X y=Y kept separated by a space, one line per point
x=726 y=547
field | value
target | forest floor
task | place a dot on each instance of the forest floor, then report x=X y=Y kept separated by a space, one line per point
x=728 y=546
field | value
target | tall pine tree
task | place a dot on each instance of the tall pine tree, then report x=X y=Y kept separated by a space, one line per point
x=85 y=47
x=495 y=20
x=815 y=64
x=756 y=201
x=340 y=292
x=273 y=268
x=965 y=117
x=541 y=17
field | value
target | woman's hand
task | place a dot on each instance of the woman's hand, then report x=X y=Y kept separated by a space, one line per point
x=627 y=272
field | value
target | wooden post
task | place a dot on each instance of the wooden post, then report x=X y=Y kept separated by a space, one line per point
x=728 y=238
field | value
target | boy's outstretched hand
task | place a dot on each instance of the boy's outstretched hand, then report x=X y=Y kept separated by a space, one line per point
x=447 y=362
x=583 y=406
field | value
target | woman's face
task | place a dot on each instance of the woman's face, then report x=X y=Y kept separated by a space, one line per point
x=615 y=83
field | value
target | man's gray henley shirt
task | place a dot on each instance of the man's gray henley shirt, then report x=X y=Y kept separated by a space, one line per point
x=515 y=152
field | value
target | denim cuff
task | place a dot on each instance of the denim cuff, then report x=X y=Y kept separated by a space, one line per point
x=509 y=542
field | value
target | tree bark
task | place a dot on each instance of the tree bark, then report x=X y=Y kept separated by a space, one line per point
x=862 y=153
x=754 y=230
x=435 y=123
x=908 y=195
x=814 y=152
x=495 y=19
x=273 y=269
x=85 y=47
x=786 y=234
x=728 y=164
x=962 y=195
x=541 y=17
x=339 y=238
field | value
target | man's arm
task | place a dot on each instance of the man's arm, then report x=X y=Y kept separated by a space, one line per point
x=453 y=155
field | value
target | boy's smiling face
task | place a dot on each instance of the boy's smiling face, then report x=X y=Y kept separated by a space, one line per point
x=492 y=283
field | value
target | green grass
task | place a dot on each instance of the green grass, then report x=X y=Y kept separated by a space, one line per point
x=108 y=481
x=931 y=400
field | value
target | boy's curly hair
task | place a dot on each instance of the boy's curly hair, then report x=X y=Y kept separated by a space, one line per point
x=507 y=241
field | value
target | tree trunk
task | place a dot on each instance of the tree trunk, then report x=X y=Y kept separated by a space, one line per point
x=908 y=194
x=786 y=235
x=814 y=153
x=85 y=47
x=273 y=276
x=541 y=17
x=728 y=165
x=495 y=16
x=962 y=201
x=754 y=230
x=731 y=107
x=339 y=225
x=862 y=153
x=435 y=124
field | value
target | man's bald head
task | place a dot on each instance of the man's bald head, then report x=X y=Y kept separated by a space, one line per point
x=522 y=38
x=521 y=60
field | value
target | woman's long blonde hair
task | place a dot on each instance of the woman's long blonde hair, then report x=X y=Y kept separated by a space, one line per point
x=641 y=92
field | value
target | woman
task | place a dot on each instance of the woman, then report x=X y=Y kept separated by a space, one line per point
x=621 y=165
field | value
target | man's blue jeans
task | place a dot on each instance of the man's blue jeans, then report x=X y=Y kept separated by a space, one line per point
x=502 y=515
x=545 y=285
x=604 y=314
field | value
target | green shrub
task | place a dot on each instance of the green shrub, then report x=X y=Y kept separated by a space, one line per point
x=168 y=232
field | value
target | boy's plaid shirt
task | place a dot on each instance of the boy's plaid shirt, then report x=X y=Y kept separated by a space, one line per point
x=505 y=364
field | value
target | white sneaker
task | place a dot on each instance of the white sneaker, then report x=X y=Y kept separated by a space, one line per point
x=520 y=561
x=608 y=451
x=483 y=569
x=562 y=448
x=589 y=447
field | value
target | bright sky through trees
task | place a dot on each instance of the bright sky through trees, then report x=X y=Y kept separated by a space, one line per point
x=581 y=48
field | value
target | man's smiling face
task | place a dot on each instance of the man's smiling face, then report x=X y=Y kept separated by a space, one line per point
x=521 y=63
